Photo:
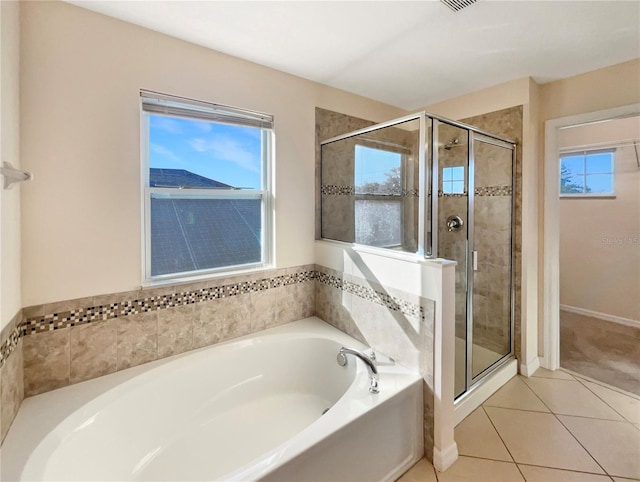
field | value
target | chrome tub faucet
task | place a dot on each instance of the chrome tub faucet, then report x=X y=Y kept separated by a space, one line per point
x=369 y=361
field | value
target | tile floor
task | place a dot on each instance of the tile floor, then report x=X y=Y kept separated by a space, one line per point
x=552 y=427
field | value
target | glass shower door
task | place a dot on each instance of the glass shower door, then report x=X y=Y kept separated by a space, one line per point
x=451 y=162
x=491 y=209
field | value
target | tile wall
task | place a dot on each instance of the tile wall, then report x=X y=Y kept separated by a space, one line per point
x=11 y=374
x=492 y=207
x=57 y=344
x=54 y=345
x=396 y=323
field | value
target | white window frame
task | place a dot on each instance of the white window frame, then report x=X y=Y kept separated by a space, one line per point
x=173 y=106
x=585 y=153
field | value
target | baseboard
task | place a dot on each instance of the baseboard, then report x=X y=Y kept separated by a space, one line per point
x=602 y=316
x=443 y=459
x=528 y=369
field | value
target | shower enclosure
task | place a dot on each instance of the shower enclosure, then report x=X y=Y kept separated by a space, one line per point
x=435 y=188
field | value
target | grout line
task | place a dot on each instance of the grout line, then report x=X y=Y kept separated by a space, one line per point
x=567 y=429
x=584 y=416
x=606 y=385
x=604 y=401
x=564 y=470
x=499 y=436
x=517 y=409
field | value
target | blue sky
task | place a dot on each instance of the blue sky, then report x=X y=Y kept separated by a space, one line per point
x=225 y=153
x=373 y=164
x=595 y=169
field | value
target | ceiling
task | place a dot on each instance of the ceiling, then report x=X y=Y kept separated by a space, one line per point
x=406 y=53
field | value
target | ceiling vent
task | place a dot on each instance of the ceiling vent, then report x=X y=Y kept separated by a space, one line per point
x=457 y=5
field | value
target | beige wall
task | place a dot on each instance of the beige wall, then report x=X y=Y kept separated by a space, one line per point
x=601 y=89
x=10 y=302
x=600 y=238
x=81 y=75
x=607 y=88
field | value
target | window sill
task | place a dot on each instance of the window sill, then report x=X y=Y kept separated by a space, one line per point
x=587 y=196
x=196 y=278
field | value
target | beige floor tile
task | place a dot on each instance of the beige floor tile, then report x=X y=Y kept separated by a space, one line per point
x=615 y=445
x=567 y=397
x=516 y=394
x=476 y=436
x=423 y=471
x=540 y=439
x=480 y=470
x=628 y=407
x=558 y=374
x=622 y=479
x=544 y=474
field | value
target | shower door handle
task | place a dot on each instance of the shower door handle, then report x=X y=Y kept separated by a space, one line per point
x=474 y=259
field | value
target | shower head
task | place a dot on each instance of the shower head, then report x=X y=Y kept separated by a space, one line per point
x=452 y=143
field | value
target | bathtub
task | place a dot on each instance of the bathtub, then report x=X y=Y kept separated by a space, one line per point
x=248 y=409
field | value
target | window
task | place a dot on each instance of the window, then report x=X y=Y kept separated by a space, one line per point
x=378 y=205
x=453 y=180
x=587 y=173
x=206 y=176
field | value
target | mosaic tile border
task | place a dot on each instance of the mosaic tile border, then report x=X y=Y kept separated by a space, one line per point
x=91 y=314
x=94 y=314
x=490 y=191
x=494 y=191
x=369 y=294
x=9 y=345
x=336 y=190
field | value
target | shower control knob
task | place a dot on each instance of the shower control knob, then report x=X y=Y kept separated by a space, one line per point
x=454 y=223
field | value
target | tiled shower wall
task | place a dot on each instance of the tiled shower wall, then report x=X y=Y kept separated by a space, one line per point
x=507 y=123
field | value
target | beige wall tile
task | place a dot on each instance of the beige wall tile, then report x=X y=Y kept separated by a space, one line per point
x=237 y=316
x=11 y=389
x=137 y=339
x=93 y=350
x=208 y=322
x=263 y=309
x=175 y=330
x=46 y=361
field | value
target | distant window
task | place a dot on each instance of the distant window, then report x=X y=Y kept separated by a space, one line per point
x=206 y=185
x=453 y=180
x=378 y=204
x=587 y=173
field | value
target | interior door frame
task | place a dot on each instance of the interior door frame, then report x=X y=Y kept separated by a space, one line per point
x=550 y=357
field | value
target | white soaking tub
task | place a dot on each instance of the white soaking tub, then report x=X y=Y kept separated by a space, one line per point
x=247 y=409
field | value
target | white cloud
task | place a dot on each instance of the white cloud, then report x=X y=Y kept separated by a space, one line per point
x=166 y=124
x=226 y=148
x=167 y=153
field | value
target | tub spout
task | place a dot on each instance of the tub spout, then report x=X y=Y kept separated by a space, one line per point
x=368 y=361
